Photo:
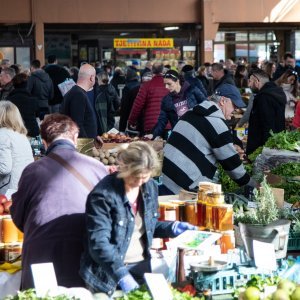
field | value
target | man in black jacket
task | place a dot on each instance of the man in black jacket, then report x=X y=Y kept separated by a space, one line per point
x=58 y=75
x=267 y=112
x=40 y=85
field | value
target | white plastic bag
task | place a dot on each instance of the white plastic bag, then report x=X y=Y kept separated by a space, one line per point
x=65 y=86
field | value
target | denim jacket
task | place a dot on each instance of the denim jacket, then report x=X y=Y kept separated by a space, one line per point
x=110 y=225
x=168 y=111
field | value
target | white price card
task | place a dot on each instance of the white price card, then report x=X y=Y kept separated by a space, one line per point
x=44 y=278
x=264 y=256
x=158 y=286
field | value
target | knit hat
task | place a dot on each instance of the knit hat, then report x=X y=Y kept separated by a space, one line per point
x=187 y=68
x=230 y=91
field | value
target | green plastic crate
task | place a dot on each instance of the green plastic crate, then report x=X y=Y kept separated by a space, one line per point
x=294 y=241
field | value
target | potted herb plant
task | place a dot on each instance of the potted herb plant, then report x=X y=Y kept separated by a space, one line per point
x=263 y=223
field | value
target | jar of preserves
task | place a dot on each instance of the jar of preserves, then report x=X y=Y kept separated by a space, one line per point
x=190 y=212
x=227 y=241
x=9 y=230
x=12 y=251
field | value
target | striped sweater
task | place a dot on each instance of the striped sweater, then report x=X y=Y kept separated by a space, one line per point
x=199 y=140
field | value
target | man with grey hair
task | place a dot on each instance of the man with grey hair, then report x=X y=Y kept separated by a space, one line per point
x=77 y=105
x=268 y=109
x=148 y=101
x=6 y=77
x=5 y=63
x=200 y=140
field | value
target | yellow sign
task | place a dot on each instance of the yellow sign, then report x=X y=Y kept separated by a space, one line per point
x=143 y=43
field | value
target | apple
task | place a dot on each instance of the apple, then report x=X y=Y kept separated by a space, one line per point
x=280 y=294
x=1 y=209
x=296 y=294
x=3 y=198
x=287 y=285
x=7 y=205
x=252 y=293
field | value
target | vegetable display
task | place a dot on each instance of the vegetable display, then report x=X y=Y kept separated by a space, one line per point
x=30 y=294
x=284 y=140
x=289 y=169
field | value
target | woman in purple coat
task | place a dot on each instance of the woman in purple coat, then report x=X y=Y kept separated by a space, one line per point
x=49 y=205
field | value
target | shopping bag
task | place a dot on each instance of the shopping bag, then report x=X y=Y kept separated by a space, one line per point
x=65 y=86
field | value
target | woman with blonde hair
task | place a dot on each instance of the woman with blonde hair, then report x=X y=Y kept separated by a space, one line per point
x=122 y=218
x=15 y=149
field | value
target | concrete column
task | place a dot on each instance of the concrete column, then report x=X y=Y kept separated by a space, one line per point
x=39 y=42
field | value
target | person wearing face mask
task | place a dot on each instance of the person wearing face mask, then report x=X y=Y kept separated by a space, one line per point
x=200 y=140
x=268 y=110
x=289 y=83
x=182 y=97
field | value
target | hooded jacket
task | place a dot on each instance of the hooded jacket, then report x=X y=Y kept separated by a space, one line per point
x=214 y=84
x=40 y=85
x=267 y=114
x=168 y=111
x=200 y=140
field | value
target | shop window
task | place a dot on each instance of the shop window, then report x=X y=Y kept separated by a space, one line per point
x=23 y=56
x=241 y=50
x=219 y=52
x=257 y=36
x=257 y=52
x=220 y=36
x=241 y=36
x=271 y=36
x=189 y=54
x=7 y=53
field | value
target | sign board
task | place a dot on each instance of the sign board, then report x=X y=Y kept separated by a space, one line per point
x=208 y=45
x=144 y=43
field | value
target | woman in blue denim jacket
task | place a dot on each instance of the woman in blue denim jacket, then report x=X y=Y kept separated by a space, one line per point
x=181 y=98
x=121 y=215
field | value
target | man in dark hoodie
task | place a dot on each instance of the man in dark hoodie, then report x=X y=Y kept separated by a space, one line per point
x=267 y=112
x=220 y=76
x=40 y=85
x=200 y=140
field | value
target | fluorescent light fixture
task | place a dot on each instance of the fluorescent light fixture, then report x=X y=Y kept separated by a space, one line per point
x=124 y=33
x=171 y=28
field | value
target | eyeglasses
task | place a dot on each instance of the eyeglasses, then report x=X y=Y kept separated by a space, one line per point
x=171 y=76
x=294 y=73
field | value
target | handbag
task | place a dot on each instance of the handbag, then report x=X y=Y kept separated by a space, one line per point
x=72 y=170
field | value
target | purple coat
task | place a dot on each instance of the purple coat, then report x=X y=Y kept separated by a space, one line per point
x=49 y=208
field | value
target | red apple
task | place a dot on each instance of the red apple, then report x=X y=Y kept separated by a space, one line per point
x=3 y=198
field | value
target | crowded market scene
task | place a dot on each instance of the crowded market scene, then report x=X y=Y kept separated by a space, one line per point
x=155 y=159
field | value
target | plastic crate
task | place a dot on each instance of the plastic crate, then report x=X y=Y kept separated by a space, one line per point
x=294 y=241
x=225 y=282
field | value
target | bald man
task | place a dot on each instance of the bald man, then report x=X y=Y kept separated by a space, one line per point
x=77 y=105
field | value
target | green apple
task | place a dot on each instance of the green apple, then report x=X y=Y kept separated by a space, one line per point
x=296 y=294
x=287 y=285
x=252 y=293
x=280 y=295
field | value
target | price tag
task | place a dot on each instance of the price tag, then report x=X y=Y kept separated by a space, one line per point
x=252 y=204
x=44 y=278
x=264 y=256
x=158 y=286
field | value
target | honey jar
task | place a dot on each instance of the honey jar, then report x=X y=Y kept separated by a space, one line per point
x=190 y=212
x=9 y=230
x=12 y=251
x=227 y=241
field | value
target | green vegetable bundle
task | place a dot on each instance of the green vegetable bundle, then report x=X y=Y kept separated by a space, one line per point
x=284 y=140
x=289 y=169
x=31 y=295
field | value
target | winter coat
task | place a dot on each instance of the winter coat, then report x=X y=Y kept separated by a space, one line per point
x=28 y=107
x=77 y=106
x=106 y=104
x=296 y=120
x=6 y=90
x=49 y=208
x=168 y=111
x=58 y=75
x=267 y=114
x=110 y=224
x=214 y=84
x=148 y=102
x=40 y=85
x=199 y=141
x=15 y=155
x=130 y=92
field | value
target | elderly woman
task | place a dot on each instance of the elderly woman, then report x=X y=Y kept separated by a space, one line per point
x=122 y=215
x=15 y=149
x=50 y=203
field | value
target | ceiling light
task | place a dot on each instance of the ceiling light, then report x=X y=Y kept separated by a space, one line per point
x=124 y=33
x=171 y=28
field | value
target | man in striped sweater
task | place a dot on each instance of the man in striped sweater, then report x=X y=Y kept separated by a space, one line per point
x=200 y=140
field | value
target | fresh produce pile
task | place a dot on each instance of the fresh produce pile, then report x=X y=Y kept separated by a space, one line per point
x=107 y=157
x=120 y=138
x=290 y=169
x=31 y=295
x=268 y=288
x=143 y=294
x=4 y=205
x=284 y=140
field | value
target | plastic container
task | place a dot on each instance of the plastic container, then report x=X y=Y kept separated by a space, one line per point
x=294 y=241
